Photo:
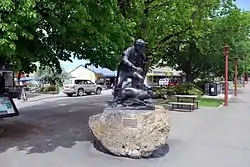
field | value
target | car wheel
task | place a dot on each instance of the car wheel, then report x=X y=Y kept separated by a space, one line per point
x=98 y=91
x=80 y=92
x=69 y=95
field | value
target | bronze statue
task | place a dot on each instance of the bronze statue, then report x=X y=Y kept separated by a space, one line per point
x=134 y=93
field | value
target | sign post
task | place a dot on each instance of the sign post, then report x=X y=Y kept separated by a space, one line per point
x=7 y=105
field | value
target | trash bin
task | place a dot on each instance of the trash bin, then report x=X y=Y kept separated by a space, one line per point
x=219 y=88
x=213 y=89
x=206 y=89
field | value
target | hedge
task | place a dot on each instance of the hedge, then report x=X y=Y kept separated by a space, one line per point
x=182 y=89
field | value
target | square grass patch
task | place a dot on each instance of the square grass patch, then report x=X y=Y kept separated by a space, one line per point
x=209 y=102
x=203 y=102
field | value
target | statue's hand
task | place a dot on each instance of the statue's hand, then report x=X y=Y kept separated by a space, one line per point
x=138 y=69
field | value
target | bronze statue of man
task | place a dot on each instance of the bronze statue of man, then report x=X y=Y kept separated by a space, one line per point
x=130 y=67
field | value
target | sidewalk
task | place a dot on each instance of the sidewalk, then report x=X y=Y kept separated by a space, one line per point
x=37 y=99
x=208 y=137
x=47 y=97
x=212 y=137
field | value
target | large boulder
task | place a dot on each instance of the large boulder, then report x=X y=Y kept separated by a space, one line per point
x=131 y=133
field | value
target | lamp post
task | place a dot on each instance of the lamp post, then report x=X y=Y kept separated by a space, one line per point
x=235 y=75
x=226 y=51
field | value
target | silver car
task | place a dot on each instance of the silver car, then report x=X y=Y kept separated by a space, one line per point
x=80 y=87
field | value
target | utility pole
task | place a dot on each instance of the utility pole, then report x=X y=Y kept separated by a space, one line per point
x=226 y=51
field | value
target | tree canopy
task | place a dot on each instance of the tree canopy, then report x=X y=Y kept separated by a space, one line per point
x=47 y=31
x=185 y=34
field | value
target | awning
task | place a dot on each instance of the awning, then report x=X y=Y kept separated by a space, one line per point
x=110 y=74
x=166 y=73
x=24 y=79
x=103 y=71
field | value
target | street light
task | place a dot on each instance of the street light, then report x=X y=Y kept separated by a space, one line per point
x=226 y=51
x=235 y=75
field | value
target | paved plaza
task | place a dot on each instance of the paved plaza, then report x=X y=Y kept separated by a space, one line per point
x=55 y=134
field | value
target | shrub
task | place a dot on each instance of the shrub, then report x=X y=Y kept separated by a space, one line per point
x=201 y=84
x=183 y=89
x=160 y=92
x=50 y=88
x=41 y=89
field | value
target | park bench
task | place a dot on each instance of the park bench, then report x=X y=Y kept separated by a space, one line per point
x=178 y=105
x=196 y=102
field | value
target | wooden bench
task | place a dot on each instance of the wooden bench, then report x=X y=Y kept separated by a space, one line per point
x=177 y=104
x=196 y=102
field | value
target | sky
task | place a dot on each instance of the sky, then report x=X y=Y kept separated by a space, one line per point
x=243 y=4
x=68 y=66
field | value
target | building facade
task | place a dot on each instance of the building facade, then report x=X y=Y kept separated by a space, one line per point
x=83 y=73
x=107 y=77
x=156 y=73
x=99 y=75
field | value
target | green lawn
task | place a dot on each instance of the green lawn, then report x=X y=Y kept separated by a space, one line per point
x=204 y=102
x=207 y=102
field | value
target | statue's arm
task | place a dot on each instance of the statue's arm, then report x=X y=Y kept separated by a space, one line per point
x=126 y=60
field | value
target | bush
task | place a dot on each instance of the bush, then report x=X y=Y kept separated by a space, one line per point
x=201 y=84
x=161 y=92
x=41 y=89
x=50 y=88
x=183 y=89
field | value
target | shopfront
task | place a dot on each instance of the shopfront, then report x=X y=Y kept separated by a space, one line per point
x=154 y=75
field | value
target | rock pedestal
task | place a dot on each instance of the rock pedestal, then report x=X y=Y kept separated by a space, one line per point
x=131 y=133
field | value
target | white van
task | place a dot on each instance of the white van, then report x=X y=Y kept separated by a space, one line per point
x=80 y=87
x=163 y=81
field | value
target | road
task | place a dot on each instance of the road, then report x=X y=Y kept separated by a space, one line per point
x=46 y=125
x=54 y=133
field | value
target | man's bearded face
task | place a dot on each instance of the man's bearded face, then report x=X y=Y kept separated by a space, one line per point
x=140 y=48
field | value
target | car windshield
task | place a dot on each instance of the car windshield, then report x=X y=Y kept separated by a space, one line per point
x=67 y=82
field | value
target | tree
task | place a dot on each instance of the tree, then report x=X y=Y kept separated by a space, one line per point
x=49 y=75
x=187 y=34
x=202 y=28
x=47 y=31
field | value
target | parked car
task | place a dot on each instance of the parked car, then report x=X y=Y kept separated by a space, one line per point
x=172 y=82
x=80 y=87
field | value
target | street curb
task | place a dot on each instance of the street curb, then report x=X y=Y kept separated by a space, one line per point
x=35 y=99
x=221 y=105
x=46 y=96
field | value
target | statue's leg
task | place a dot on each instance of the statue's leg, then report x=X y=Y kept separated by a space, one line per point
x=118 y=86
x=137 y=80
x=139 y=101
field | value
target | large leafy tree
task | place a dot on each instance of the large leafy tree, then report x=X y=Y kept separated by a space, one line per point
x=48 y=31
x=187 y=34
x=206 y=27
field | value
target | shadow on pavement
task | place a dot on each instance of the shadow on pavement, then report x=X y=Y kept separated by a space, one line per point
x=40 y=130
x=161 y=152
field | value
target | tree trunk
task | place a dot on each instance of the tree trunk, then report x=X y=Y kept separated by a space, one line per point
x=189 y=76
x=146 y=65
x=2 y=80
x=2 y=83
